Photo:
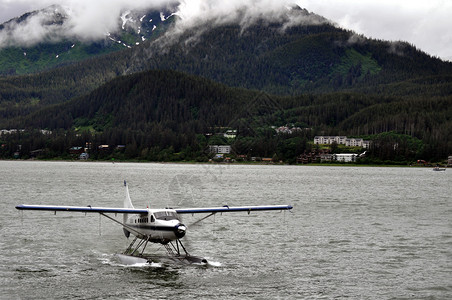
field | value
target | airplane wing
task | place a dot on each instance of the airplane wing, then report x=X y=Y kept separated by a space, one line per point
x=231 y=209
x=92 y=209
x=85 y=209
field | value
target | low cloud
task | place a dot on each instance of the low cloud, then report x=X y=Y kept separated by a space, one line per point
x=84 y=20
x=218 y=12
x=88 y=20
x=425 y=24
x=40 y=26
x=204 y=14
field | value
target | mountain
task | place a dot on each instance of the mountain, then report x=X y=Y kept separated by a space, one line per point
x=167 y=93
x=23 y=50
x=317 y=58
x=279 y=56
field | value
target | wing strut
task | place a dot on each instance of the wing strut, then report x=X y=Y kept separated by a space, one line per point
x=126 y=226
x=194 y=223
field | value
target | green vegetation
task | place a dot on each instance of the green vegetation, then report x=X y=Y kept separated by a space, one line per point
x=358 y=64
x=171 y=116
x=19 y=61
x=316 y=78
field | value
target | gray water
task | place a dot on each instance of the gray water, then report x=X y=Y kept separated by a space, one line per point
x=359 y=233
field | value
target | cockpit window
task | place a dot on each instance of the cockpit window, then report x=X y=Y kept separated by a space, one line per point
x=166 y=215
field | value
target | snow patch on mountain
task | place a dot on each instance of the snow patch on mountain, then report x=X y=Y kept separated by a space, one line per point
x=163 y=18
x=84 y=21
x=125 y=19
x=92 y=20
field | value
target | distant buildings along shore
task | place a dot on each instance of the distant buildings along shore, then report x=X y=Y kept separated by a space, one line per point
x=342 y=140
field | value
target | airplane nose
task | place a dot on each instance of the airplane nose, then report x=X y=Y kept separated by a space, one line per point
x=180 y=231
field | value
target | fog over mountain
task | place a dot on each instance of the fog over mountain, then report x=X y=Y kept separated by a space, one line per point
x=422 y=23
x=425 y=24
x=93 y=20
x=82 y=20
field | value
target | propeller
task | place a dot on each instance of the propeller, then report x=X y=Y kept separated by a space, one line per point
x=180 y=230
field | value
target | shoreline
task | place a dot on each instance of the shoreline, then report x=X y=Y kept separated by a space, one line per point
x=224 y=164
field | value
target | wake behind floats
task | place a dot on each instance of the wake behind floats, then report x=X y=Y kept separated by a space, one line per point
x=161 y=226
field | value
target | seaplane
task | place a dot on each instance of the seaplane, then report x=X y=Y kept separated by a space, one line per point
x=160 y=226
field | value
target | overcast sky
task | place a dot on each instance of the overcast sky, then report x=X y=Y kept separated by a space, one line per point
x=427 y=24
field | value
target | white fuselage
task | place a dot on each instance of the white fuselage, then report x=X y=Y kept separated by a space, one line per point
x=158 y=225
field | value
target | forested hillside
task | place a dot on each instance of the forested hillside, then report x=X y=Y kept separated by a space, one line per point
x=166 y=115
x=315 y=59
x=21 y=95
x=303 y=59
x=316 y=77
x=265 y=56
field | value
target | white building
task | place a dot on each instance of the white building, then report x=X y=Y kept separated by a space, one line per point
x=354 y=142
x=10 y=131
x=342 y=140
x=220 y=149
x=345 y=157
x=230 y=134
x=287 y=130
x=329 y=139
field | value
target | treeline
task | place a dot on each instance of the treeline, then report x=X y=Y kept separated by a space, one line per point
x=386 y=148
x=167 y=115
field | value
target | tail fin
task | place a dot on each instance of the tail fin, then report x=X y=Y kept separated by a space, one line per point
x=127 y=204
x=127 y=201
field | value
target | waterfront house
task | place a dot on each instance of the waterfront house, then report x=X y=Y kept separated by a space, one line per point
x=342 y=140
x=345 y=157
x=220 y=149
